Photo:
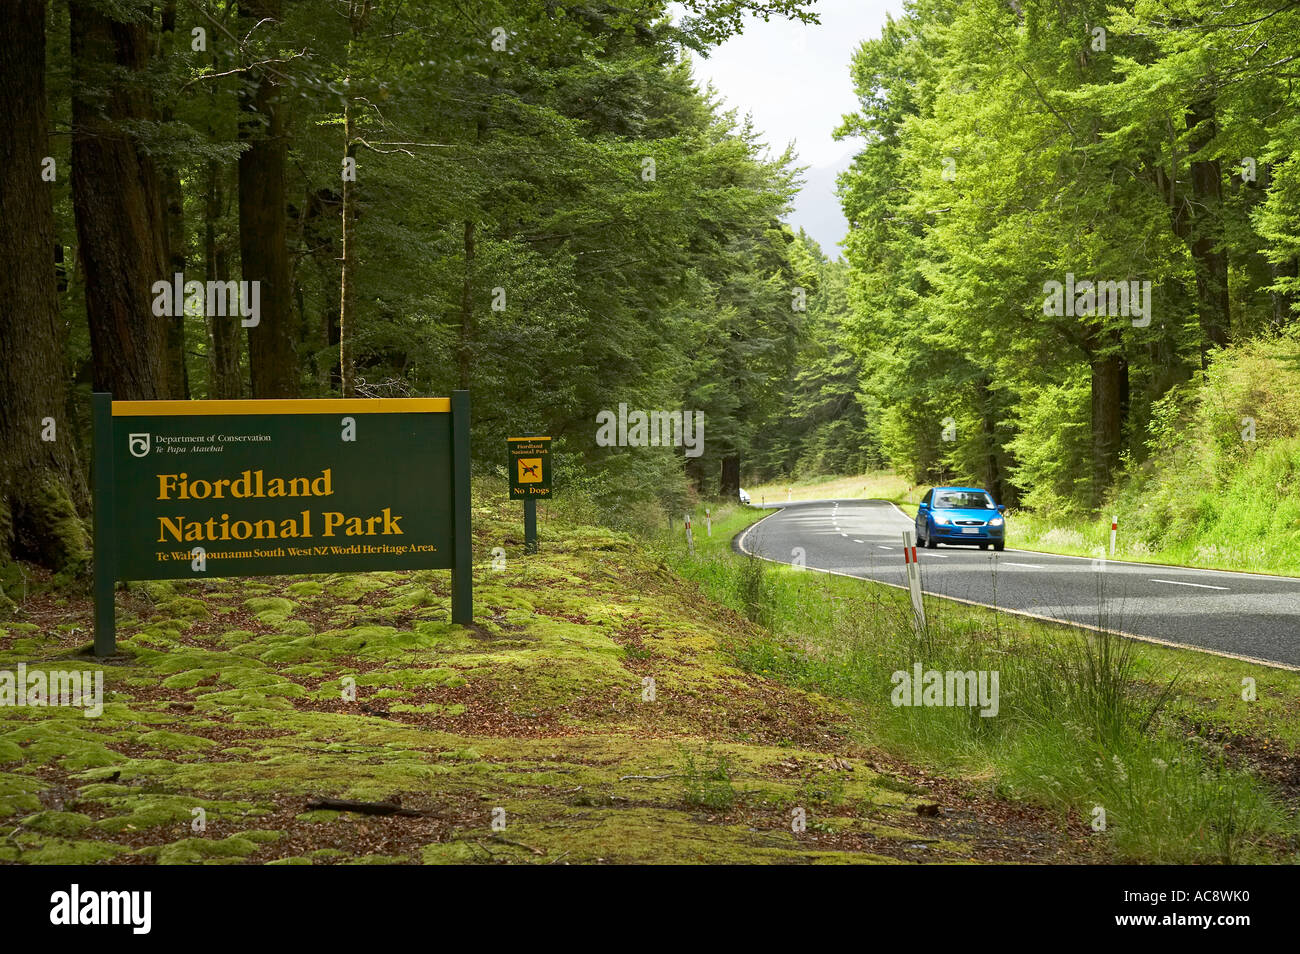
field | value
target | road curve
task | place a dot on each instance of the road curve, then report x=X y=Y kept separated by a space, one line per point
x=1243 y=615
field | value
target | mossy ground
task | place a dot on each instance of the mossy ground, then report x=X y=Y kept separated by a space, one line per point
x=230 y=697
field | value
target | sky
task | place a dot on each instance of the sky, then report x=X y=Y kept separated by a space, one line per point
x=794 y=80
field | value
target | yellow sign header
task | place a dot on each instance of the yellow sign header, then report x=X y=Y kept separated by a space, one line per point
x=292 y=406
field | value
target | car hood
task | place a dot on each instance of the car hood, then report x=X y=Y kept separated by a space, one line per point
x=968 y=514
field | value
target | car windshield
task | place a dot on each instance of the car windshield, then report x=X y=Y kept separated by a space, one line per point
x=963 y=500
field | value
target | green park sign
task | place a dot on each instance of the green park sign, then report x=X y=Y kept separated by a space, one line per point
x=188 y=489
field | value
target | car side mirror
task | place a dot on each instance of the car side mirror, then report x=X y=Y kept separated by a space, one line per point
x=1002 y=508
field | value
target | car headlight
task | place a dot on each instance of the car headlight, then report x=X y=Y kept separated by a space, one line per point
x=942 y=518
x=995 y=522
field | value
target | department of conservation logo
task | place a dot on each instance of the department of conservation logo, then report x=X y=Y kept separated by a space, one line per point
x=138 y=444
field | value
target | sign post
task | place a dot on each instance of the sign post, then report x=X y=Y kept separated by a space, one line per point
x=530 y=478
x=105 y=540
x=187 y=489
x=913 y=577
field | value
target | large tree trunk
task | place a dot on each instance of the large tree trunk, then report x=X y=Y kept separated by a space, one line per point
x=988 y=435
x=118 y=204
x=1108 y=386
x=224 y=379
x=358 y=14
x=1283 y=302
x=466 y=343
x=729 y=486
x=264 y=252
x=178 y=377
x=40 y=483
x=1201 y=222
x=347 y=286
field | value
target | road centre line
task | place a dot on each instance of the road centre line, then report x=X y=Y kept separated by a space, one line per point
x=1204 y=586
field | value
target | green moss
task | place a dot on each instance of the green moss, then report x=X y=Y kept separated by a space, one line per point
x=174 y=741
x=270 y=610
x=318 y=816
x=186 y=607
x=58 y=823
x=59 y=851
x=148 y=810
x=189 y=851
x=157 y=591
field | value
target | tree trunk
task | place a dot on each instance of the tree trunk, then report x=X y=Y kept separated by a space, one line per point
x=729 y=486
x=463 y=351
x=1283 y=302
x=347 y=288
x=263 y=226
x=178 y=377
x=1202 y=223
x=118 y=204
x=358 y=14
x=1107 y=419
x=224 y=379
x=40 y=483
x=988 y=434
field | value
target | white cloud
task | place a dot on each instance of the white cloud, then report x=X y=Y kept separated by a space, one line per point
x=794 y=79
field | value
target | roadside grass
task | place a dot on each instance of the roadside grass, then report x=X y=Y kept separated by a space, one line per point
x=591 y=706
x=1247 y=519
x=1160 y=740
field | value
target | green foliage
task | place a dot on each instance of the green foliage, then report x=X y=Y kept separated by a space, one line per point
x=1220 y=483
x=1005 y=146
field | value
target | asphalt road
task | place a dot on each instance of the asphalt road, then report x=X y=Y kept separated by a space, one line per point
x=1237 y=614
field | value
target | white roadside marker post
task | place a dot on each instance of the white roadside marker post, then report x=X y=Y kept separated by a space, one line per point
x=690 y=541
x=1114 y=525
x=913 y=576
x=708 y=521
x=787 y=495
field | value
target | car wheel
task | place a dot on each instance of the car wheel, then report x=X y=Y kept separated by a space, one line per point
x=1000 y=546
x=930 y=542
x=984 y=546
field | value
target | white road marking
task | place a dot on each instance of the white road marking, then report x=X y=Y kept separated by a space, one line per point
x=1204 y=586
x=859 y=541
x=886 y=548
x=1032 y=566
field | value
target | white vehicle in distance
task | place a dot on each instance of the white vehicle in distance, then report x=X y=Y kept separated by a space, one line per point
x=744 y=497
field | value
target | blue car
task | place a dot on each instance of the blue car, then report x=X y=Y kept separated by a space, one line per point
x=960 y=515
